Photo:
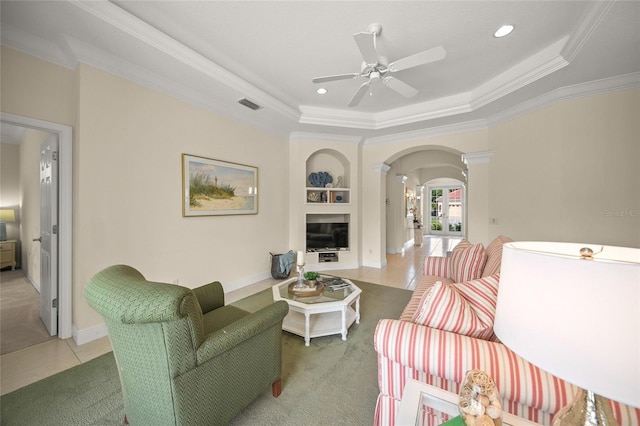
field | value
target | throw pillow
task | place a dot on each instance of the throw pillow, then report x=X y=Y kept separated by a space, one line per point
x=494 y=255
x=463 y=308
x=467 y=263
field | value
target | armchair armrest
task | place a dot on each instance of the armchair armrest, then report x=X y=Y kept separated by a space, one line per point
x=449 y=355
x=210 y=296
x=436 y=266
x=244 y=329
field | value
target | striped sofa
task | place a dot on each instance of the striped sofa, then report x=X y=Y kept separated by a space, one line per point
x=408 y=350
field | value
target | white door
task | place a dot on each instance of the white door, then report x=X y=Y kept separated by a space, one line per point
x=446 y=208
x=49 y=234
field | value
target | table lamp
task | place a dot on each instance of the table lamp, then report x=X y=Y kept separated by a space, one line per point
x=6 y=215
x=573 y=310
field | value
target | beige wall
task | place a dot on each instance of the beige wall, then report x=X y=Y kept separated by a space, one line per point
x=127 y=193
x=569 y=172
x=36 y=89
x=129 y=189
x=579 y=156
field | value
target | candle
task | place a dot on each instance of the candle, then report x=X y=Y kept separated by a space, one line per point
x=300 y=258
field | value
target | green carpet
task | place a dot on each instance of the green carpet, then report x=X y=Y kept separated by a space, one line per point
x=330 y=382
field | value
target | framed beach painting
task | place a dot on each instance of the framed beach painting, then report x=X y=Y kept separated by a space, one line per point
x=213 y=187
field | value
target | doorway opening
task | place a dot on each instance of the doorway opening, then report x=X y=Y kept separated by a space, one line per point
x=64 y=225
x=446 y=207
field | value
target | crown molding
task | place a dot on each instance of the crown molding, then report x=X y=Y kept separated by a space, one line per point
x=534 y=68
x=467 y=126
x=537 y=66
x=323 y=137
x=46 y=50
x=381 y=168
x=68 y=52
x=576 y=91
x=473 y=158
x=586 y=27
x=119 y=18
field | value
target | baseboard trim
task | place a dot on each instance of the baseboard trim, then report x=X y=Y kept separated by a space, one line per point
x=89 y=334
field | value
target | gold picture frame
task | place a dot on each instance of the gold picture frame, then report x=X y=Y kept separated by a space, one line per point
x=214 y=187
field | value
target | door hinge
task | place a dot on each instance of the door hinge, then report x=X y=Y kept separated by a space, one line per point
x=55 y=229
x=54 y=155
x=54 y=303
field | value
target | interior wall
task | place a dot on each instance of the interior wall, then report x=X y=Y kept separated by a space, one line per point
x=569 y=172
x=128 y=194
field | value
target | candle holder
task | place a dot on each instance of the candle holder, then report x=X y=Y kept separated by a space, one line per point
x=300 y=285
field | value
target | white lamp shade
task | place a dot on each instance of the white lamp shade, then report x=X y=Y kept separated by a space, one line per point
x=577 y=319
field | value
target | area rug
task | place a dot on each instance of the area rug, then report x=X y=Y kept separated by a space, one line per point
x=330 y=382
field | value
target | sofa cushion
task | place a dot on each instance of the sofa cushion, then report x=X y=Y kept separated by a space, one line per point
x=467 y=262
x=423 y=286
x=494 y=255
x=464 y=308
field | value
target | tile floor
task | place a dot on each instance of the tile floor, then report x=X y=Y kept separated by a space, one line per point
x=29 y=365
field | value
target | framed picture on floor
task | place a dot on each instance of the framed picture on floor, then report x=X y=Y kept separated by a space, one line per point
x=213 y=187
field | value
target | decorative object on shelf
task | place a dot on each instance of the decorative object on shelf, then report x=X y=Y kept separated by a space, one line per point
x=339 y=182
x=313 y=197
x=320 y=179
x=479 y=400
x=587 y=308
x=328 y=185
x=212 y=187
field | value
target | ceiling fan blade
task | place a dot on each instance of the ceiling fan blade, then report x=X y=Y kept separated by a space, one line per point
x=421 y=58
x=400 y=86
x=336 y=77
x=367 y=45
x=360 y=94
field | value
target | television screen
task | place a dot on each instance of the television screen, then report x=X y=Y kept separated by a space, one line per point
x=327 y=236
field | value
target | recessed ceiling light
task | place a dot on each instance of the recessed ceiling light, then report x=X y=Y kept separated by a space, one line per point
x=322 y=91
x=503 y=31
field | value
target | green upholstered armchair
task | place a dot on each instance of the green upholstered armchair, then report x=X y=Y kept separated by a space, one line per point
x=184 y=358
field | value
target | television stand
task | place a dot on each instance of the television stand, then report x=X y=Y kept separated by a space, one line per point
x=327 y=257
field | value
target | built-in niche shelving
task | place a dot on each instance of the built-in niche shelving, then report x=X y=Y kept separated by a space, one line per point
x=337 y=166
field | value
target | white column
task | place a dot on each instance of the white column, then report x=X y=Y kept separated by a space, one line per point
x=477 y=196
x=373 y=216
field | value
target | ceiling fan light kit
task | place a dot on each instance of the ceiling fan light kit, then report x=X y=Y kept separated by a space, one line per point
x=376 y=68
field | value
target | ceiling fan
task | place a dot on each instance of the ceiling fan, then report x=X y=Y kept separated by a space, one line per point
x=377 y=68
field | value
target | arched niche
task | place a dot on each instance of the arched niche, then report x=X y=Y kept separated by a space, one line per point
x=331 y=161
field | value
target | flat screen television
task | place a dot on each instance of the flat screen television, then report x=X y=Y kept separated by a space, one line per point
x=327 y=236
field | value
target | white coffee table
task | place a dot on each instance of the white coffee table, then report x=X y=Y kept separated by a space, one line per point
x=418 y=395
x=328 y=313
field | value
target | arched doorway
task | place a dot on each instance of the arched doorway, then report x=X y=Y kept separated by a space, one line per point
x=407 y=180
